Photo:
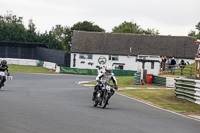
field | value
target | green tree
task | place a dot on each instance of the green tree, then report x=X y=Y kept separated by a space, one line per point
x=31 y=35
x=87 y=26
x=198 y=26
x=62 y=34
x=130 y=27
x=49 y=38
x=127 y=27
x=82 y=26
x=151 y=32
x=193 y=33
x=12 y=28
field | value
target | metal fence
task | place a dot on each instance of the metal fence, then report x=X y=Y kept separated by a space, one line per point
x=57 y=56
x=179 y=70
x=36 y=51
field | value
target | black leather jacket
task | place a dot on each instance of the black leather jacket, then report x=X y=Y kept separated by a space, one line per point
x=4 y=68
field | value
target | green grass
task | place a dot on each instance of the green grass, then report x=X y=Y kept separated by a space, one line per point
x=165 y=99
x=126 y=81
x=28 y=69
x=162 y=98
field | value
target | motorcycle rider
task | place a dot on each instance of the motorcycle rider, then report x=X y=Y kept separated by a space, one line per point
x=3 y=68
x=107 y=75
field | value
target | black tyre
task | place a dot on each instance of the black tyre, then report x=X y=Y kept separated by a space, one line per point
x=105 y=99
x=95 y=103
x=96 y=98
x=0 y=82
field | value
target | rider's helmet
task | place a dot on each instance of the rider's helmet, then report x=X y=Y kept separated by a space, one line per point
x=3 y=62
x=108 y=69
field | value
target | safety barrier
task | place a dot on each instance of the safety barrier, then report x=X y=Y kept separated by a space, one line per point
x=160 y=81
x=170 y=82
x=124 y=72
x=49 y=65
x=26 y=62
x=29 y=62
x=78 y=71
x=157 y=80
x=188 y=89
x=136 y=79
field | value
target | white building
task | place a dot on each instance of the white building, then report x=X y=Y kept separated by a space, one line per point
x=93 y=50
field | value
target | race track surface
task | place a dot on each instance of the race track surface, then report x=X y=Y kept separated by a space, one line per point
x=44 y=103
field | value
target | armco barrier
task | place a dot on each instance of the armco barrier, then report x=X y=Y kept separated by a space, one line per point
x=136 y=79
x=160 y=81
x=170 y=82
x=49 y=65
x=197 y=91
x=188 y=89
x=157 y=80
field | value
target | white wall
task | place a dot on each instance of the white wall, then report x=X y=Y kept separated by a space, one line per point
x=16 y=61
x=29 y=62
x=147 y=66
x=129 y=61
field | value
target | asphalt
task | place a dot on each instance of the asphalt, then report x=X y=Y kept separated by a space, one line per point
x=45 y=103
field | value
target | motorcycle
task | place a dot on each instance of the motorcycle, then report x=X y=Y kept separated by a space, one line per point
x=104 y=93
x=2 y=74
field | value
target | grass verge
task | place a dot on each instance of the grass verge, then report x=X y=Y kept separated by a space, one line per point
x=162 y=98
x=28 y=69
x=165 y=99
x=127 y=81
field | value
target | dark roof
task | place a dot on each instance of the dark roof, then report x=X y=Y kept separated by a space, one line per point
x=119 y=44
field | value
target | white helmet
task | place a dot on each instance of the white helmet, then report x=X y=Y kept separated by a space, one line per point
x=108 y=69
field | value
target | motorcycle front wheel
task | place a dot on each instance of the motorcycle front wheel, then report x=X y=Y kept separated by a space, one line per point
x=106 y=97
x=96 y=99
x=95 y=103
x=1 y=80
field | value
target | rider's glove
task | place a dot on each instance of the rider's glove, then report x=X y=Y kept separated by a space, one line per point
x=116 y=88
x=99 y=82
x=8 y=74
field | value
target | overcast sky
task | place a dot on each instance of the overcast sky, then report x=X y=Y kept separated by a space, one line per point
x=170 y=17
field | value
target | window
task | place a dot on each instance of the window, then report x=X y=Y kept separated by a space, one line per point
x=113 y=57
x=85 y=56
x=143 y=57
x=152 y=65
